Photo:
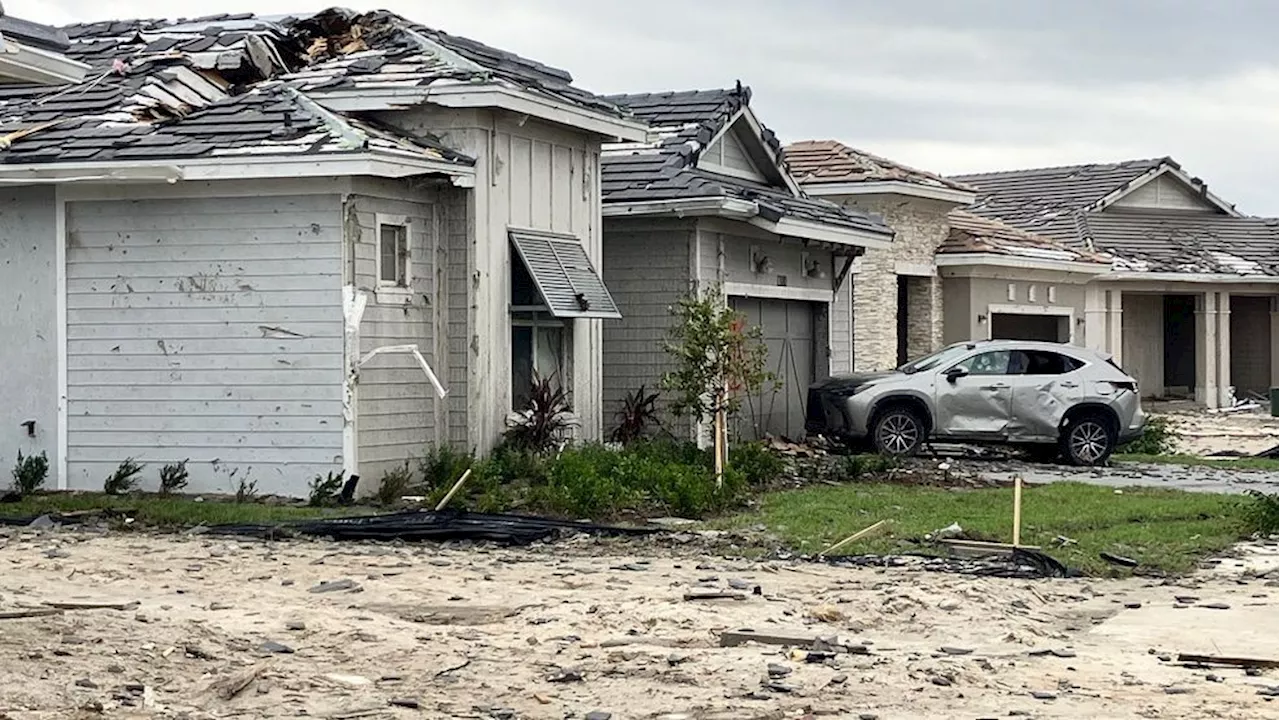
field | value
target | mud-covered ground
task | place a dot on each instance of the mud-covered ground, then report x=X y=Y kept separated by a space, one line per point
x=597 y=626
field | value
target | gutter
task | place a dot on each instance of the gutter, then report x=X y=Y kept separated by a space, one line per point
x=1221 y=278
x=890 y=187
x=1013 y=261
x=731 y=208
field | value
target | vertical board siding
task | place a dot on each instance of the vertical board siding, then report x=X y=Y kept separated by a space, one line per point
x=454 y=274
x=841 y=337
x=210 y=329
x=1142 y=341
x=646 y=271
x=28 y=326
x=395 y=404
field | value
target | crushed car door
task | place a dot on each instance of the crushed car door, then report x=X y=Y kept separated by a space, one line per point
x=1045 y=385
x=973 y=397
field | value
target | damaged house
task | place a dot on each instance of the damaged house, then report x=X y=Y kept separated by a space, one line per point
x=1188 y=305
x=706 y=200
x=280 y=247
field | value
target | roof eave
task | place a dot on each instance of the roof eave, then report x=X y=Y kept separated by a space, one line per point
x=827 y=233
x=36 y=65
x=469 y=95
x=713 y=206
x=1201 y=278
x=980 y=259
x=890 y=187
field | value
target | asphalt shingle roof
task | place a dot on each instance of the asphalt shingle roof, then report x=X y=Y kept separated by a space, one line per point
x=815 y=162
x=684 y=123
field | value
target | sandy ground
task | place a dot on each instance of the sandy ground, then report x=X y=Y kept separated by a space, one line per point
x=1200 y=432
x=483 y=632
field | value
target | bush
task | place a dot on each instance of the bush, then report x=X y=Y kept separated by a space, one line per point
x=1157 y=439
x=584 y=483
x=759 y=465
x=246 y=491
x=639 y=412
x=858 y=467
x=30 y=472
x=394 y=485
x=325 y=489
x=124 y=479
x=1260 y=512
x=173 y=477
x=545 y=420
x=442 y=466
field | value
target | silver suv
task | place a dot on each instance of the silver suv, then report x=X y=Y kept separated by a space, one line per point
x=1055 y=399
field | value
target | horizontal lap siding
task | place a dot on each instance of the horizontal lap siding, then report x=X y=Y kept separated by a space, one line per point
x=205 y=328
x=395 y=405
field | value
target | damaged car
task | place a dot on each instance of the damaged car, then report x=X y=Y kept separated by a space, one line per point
x=1052 y=399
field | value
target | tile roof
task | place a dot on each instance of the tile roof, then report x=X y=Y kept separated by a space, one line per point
x=971 y=233
x=814 y=162
x=243 y=84
x=682 y=125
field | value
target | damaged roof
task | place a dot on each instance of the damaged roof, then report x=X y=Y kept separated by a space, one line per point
x=971 y=233
x=1067 y=204
x=817 y=162
x=242 y=84
x=683 y=124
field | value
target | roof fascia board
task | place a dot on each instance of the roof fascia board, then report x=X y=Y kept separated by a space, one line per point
x=482 y=96
x=690 y=207
x=891 y=187
x=1151 y=175
x=1011 y=261
x=1185 y=277
x=39 y=66
x=820 y=232
x=230 y=167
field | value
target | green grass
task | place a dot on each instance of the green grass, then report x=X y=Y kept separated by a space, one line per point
x=1165 y=530
x=1232 y=463
x=156 y=511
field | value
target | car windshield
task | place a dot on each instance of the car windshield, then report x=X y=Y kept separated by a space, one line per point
x=929 y=362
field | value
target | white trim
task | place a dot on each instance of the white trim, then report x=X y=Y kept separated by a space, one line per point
x=715 y=206
x=353 y=305
x=441 y=392
x=1013 y=261
x=776 y=292
x=204 y=189
x=721 y=169
x=747 y=115
x=236 y=167
x=60 y=268
x=825 y=233
x=39 y=66
x=467 y=95
x=1187 y=277
x=1165 y=169
x=915 y=269
x=393 y=290
x=891 y=187
x=1052 y=311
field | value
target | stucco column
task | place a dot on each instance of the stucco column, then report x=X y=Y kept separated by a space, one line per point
x=1207 y=349
x=1095 y=318
x=1224 y=350
x=1115 y=325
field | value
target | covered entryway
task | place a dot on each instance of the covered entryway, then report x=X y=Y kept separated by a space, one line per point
x=1013 y=326
x=788 y=328
x=1180 y=329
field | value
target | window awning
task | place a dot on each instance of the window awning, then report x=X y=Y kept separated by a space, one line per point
x=560 y=268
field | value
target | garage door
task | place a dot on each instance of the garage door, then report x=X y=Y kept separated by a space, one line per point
x=1251 y=344
x=1008 y=326
x=787 y=327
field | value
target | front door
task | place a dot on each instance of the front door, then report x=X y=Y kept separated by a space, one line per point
x=977 y=404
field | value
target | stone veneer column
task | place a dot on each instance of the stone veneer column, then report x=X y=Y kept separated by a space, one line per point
x=875 y=313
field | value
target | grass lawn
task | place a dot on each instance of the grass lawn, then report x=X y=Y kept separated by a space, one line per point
x=155 y=511
x=1246 y=463
x=1165 y=530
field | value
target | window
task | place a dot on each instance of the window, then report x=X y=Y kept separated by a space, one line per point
x=1052 y=294
x=1012 y=292
x=393 y=253
x=1031 y=293
x=1041 y=362
x=537 y=350
x=995 y=362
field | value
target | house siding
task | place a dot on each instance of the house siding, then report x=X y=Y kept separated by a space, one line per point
x=982 y=292
x=29 y=325
x=205 y=328
x=1142 y=341
x=396 y=407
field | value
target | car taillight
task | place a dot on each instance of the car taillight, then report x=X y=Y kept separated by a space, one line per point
x=1124 y=385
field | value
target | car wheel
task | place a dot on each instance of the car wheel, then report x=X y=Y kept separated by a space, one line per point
x=1089 y=440
x=898 y=431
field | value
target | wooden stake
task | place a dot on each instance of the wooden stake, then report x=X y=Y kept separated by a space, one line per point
x=860 y=534
x=453 y=490
x=1017 y=511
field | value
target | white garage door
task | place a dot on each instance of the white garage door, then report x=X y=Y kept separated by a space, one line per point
x=787 y=327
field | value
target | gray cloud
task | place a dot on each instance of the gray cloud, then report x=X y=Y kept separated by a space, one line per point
x=949 y=85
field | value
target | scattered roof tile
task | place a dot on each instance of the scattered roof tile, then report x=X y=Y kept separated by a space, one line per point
x=814 y=162
x=971 y=233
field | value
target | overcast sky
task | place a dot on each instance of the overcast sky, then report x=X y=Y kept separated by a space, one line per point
x=952 y=86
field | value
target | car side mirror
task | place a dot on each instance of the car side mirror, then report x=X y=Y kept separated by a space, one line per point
x=955 y=373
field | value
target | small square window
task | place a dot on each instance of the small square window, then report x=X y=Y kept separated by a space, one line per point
x=1031 y=293
x=1012 y=291
x=1052 y=293
x=393 y=254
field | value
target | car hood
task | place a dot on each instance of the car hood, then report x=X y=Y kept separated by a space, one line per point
x=846 y=383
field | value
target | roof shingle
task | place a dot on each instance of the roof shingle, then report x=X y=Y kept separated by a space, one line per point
x=971 y=233
x=815 y=162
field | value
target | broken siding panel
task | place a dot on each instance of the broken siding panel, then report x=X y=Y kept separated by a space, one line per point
x=389 y=433
x=28 y=327
x=207 y=333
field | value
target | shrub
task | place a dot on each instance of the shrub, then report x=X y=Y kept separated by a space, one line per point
x=173 y=477
x=30 y=472
x=124 y=479
x=758 y=464
x=639 y=412
x=1157 y=439
x=442 y=466
x=857 y=467
x=247 y=490
x=1260 y=512
x=325 y=489
x=545 y=420
x=583 y=483
x=394 y=485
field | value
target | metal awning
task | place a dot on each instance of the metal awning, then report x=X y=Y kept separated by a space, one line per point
x=564 y=276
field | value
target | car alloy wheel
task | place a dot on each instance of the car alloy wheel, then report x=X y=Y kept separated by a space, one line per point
x=1089 y=441
x=898 y=434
